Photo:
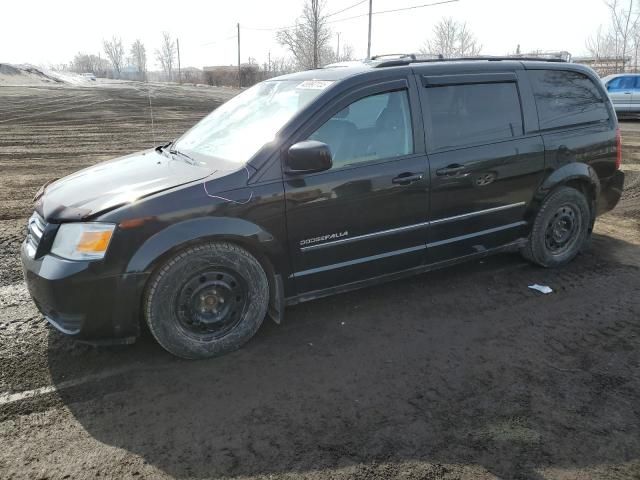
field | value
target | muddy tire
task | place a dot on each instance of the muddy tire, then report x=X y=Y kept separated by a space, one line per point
x=560 y=229
x=206 y=300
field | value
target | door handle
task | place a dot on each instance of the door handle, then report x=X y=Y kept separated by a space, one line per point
x=450 y=170
x=407 y=178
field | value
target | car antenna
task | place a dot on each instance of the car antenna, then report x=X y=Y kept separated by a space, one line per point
x=153 y=131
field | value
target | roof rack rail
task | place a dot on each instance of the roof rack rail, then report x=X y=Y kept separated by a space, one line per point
x=393 y=60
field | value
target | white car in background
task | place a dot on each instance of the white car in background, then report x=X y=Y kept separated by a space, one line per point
x=89 y=75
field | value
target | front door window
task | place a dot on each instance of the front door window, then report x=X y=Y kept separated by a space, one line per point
x=372 y=128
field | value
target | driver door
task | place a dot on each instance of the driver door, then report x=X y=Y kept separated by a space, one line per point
x=367 y=215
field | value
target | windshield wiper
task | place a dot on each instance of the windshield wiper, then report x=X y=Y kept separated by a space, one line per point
x=173 y=151
x=160 y=148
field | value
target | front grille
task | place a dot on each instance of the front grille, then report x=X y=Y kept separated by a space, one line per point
x=35 y=229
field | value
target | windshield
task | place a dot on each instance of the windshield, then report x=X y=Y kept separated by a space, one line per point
x=234 y=132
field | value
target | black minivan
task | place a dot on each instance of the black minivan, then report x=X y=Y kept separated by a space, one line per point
x=319 y=182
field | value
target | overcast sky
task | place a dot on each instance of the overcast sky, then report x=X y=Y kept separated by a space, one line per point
x=46 y=32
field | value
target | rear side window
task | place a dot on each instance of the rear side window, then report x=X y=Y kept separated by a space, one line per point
x=566 y=98
x=473 y=114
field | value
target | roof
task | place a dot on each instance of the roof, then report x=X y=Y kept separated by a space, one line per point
x=341 y=71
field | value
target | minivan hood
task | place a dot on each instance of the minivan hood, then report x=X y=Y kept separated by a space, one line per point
x=110 y=184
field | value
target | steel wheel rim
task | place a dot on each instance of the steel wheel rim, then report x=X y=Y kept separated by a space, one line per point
x=211 y=303
x=563 y=230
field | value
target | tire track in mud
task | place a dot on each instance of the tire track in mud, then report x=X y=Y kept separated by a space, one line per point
x=40 y=114
x=56 y=101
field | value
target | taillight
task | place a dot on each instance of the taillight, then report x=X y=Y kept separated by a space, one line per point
x=618 y=149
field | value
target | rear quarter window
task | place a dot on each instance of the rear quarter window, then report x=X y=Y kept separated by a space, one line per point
x=566 y=99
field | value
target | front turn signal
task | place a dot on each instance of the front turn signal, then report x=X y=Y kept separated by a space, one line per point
x=82 y=241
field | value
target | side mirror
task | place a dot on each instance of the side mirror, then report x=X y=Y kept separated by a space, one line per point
x=308 y=157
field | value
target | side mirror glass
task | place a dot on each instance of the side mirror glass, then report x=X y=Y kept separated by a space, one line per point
x=308 y=156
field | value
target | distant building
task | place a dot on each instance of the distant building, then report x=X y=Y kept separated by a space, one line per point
x=607 y=65
x=227 y=75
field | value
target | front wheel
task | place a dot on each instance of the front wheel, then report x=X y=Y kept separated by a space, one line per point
x=206 y=300
x=560 y=229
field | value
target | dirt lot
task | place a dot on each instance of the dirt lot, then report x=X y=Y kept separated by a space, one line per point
x=463 y=373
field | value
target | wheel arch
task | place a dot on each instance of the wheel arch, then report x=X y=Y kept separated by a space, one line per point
x=577 y=175
x=158 y=248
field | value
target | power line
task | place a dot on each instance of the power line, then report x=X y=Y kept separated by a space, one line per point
x=394 y=10
x=219 y=41
x=268 y=29
x=345 y=9
x=271 y=29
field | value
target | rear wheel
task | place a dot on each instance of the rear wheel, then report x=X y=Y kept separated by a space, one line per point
x=560 y=229
x=207 y=300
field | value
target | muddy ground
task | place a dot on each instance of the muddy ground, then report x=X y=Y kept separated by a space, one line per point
x=463 y=373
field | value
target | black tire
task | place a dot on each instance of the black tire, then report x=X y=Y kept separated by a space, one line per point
x=560 y=228
x=206 y=300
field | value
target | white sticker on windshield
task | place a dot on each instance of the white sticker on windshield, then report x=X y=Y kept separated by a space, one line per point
x=315 y=84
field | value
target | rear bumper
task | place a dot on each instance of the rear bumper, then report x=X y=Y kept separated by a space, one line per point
x=83 y=304
x=610 y=192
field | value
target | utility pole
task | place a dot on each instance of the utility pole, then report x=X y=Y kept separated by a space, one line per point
x=338 y=49
x=315 y=6
x=369 y=41
x=179 y=70
x=239 y=77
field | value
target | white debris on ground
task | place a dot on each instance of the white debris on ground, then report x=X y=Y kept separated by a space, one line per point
x=541 y=288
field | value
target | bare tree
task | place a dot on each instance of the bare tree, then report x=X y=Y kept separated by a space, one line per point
x=624 y=20
x=452 y=39
x=139 y=58
x=89 y=63
x=166 y=55
x=346 y=53
x=468 y=45
x=115 y=53
x=601 y=45
x=635 y=42
x=281 y=66
x=308 y=41
x=615 y=46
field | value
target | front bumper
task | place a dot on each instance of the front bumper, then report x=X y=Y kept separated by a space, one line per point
x=610 y=192
x=81 y=302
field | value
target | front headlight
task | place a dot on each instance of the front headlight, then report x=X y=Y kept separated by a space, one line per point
x=82 y=241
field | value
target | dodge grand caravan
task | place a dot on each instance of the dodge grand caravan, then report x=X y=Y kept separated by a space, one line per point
x=319 y=182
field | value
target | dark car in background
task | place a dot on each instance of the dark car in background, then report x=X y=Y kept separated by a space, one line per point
x=320 y=182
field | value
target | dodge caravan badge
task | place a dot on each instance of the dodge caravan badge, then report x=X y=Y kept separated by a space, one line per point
x=323 y=238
